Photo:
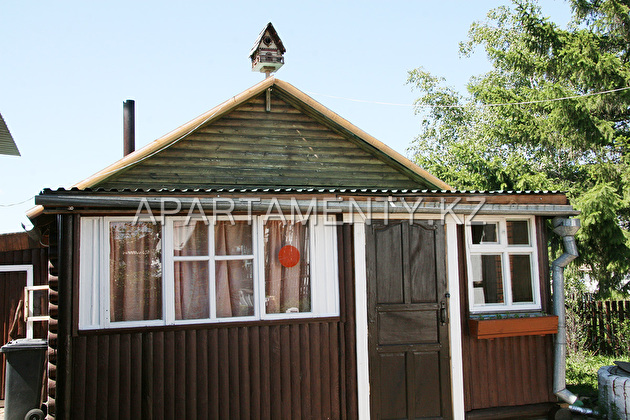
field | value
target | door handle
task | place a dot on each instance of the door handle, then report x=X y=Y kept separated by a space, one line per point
x=443 y=314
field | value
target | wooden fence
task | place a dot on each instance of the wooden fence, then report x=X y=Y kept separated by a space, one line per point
x=600 y=326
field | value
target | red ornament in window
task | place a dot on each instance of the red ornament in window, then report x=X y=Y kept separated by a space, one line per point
x=289 y=256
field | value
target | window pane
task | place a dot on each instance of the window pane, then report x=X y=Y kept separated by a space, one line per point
x=487 y=279
x=40 y=300
x=287 y=276
x=521 y=272
x=135 y=271
x=484 y=233
x=190 y=239
x=518 y=232
x=235 y=288
x=191 y=290
x=233 y=239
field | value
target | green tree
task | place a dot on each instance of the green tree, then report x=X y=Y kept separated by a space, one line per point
x=540 y=141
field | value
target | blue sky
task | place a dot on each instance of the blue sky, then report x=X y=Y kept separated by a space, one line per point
x=67 y=66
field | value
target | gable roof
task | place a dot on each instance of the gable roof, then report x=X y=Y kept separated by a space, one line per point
x=7 y=144
x=297 y=99
x=275 y=37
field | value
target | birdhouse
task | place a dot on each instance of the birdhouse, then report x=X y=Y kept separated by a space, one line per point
x=267 y=54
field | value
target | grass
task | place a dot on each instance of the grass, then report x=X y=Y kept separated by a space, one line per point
x=582 y=370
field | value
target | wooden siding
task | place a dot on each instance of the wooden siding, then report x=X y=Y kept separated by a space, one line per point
x=298 y=369
x=254 y=148
x=12 y=286
x=271 y=371
x=512 y=371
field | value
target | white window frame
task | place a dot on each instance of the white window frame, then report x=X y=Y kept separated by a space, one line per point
x=169 y=259
x=94 y=283
x=505 y=250
x=105 y=284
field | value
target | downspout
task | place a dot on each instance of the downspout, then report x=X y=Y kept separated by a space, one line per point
x=566 y=228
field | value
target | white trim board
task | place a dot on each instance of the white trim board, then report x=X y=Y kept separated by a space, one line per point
x=361 y=307
x=454 y=313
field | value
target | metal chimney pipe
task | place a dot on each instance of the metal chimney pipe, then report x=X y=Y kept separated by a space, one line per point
x=129 y=126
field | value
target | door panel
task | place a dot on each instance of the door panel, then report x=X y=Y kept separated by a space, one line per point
x=402 y=327
x=407 y=334
x=428 y=395
x=422 y=265
x=393 y=388
x=390 y=288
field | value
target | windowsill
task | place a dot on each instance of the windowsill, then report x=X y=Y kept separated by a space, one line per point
x=489 y=326
x=211 y=325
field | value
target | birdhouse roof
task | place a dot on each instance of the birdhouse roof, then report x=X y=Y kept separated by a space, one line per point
x=274 y=36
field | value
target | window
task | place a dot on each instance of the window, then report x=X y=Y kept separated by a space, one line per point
x=502 y=264
x=145 y=273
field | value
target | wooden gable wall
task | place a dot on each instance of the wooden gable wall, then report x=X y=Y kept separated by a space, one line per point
x=251 y=147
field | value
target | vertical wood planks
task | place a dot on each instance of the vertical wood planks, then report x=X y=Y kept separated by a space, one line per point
x=277 y=371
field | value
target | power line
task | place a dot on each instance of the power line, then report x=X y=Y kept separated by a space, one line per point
x=17 y=204
x=479 y=105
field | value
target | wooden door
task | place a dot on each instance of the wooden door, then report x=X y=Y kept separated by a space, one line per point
x=407 y=321
x=12 y=285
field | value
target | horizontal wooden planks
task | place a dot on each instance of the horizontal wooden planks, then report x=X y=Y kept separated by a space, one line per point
x=251 y=147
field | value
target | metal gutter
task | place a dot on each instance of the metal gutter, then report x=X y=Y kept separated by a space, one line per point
x=56 y=202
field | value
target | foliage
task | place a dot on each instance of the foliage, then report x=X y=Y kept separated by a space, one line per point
x=578 y=145
x=582 y=370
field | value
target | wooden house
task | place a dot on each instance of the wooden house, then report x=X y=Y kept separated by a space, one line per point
x=271 y=260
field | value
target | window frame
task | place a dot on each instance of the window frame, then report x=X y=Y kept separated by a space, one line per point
x=502 y=248
x=94 y=272
x=105 y=296
x=169 y=273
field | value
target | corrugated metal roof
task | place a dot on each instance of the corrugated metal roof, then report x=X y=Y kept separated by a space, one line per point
x=7 y=145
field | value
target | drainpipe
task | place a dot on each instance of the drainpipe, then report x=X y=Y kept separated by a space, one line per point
x=566 y=228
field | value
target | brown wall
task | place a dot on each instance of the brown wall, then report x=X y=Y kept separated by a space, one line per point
x=509 y=371
x=16 y=249
x=297 y=369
